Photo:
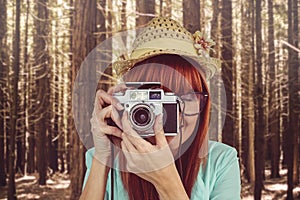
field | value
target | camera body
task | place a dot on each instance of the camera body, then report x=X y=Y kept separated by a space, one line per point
x=143 y=103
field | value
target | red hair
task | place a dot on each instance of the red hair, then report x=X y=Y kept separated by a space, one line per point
x=137 y=187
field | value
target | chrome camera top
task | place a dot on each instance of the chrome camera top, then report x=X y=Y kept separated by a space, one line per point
x=144 y=101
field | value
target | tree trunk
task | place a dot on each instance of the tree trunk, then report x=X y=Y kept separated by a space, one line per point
x=26 y=84
x=145 y=11
x=14 y=98
x=52 y=151
x=293 y=65
x=42 y=60
x=290 y=132
x=191 y=15
x=273 y=108
x=285 y=120
x=259 y=115
x=83 y=41
x=21 y=124
x=31 y=165
x=61 y=130
x=295 y=106
x=101 y=20
x=53 y=134
x=247 y=57
x=216 y=130
x=123 y=16
x=3 y=70
x=251 y=94
x=215 y=32
x=20 y=161
x=41 y=151
x=165 y=8
x=70 y=121
x=228 y=136
x=31 y=154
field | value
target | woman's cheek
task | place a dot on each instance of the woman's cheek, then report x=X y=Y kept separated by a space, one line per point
x=189 y=126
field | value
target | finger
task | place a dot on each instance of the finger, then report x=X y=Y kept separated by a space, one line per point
x=117 y=88
x=159 y=131
x=103 y=113
x=127 y=126
x=116 y=117
x=123 y=146
x=111 y=130
x=129 y=146
x=104 y=98
x=98 y=104
x=132 y=135
x=110 y=112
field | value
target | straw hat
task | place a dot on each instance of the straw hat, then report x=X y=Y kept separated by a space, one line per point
x=166 y=36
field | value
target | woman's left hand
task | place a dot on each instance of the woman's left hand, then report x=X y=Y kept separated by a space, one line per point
x=154 y=163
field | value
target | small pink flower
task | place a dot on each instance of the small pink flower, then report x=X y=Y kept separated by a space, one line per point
x=202 y=44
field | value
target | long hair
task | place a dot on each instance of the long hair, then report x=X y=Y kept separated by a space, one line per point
x=189 y=162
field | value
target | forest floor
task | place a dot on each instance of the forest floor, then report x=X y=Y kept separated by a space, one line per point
x=28 y=188
x=57 y=188
x=274 y=189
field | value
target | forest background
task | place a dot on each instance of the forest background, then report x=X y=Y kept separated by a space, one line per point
x=42 y=46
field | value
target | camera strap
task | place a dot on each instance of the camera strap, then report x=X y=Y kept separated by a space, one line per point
x=112 y=171
x=179 y=147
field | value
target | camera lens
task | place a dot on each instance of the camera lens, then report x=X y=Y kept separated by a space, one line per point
x=141 y=116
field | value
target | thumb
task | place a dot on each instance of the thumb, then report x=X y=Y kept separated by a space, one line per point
x=159 y=131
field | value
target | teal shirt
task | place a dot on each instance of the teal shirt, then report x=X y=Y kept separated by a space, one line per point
x=219 y=180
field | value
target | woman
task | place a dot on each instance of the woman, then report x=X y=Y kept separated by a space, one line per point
x=185 y=166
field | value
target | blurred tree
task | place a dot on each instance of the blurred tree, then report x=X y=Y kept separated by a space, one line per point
x=273 y=107
x=27 y=73
x=293 y=85
x=247 y=58
x=3 y=74
x=22 y=114
x=215 y=25
x=259 y=111
x=14 y=106
x=124 y=16
x=227 y=70
x=31 y=164
x=165 y=8
x=215 y=131
x=83 y=41
x=145 y=10
x=191 y=15
x=295 y=105
x=41 y=55
x=54 y=133
x=70 y=121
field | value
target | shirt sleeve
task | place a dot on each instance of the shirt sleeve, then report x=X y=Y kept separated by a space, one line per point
x=228 y=184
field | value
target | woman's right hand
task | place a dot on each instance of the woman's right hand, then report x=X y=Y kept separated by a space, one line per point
x=105 y=107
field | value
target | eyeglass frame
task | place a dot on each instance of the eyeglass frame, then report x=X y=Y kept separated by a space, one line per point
x=203 y=100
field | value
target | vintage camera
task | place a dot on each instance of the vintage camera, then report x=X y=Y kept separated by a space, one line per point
x=144 y=101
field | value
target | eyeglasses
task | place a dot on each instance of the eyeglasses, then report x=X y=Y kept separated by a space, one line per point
x=193 y=103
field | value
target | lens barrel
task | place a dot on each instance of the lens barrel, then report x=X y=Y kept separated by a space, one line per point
x=142 y=117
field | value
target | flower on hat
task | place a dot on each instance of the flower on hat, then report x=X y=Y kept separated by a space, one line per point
x=203 y=44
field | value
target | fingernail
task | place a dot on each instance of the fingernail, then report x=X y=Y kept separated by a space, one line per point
x=160 y=118
x=120 y=126
x=119 y=106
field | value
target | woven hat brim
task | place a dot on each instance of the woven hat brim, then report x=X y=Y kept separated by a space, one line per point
x=207 y=65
